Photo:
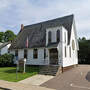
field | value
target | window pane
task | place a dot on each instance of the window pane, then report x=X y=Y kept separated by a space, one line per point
x=44 y=53
x=65 y=51
x=70 y=51
x=49 y=37
x=58 y=35
x=35 y=53
x=16 y=52
x=73 y=45
x=25 y=53
x=65 y=36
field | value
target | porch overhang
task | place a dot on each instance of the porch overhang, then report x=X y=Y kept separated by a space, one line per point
x=52 y=45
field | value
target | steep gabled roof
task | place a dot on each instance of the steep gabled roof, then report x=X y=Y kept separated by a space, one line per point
x=36 y=33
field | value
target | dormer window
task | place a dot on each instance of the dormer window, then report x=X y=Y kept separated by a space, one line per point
x=49 y=36
x=58 y=35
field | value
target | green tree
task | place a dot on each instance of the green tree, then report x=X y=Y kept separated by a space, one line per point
x=6 y=60
x=1 y=36
x=9 y=36
x=83 y=38
x=84 y=51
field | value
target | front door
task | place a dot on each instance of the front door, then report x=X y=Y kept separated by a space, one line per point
x=53 y=56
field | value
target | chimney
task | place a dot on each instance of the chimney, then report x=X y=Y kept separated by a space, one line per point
x=22 y=27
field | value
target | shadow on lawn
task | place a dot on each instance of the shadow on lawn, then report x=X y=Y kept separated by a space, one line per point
x=28 y=70
x=11 y=71
x=88 y=76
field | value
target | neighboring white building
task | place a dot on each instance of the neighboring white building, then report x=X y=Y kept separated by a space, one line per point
x=4 y=47
x=1 y=43
x=52 y=42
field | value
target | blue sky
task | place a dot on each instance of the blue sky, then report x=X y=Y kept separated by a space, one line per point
x=13 y=13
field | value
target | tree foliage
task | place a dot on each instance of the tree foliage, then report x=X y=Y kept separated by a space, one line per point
x=84 y=51
x=1 y=36
x=7 y=36
x=6 y=60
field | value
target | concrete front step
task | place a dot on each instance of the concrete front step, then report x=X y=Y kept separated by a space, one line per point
x=50 y=70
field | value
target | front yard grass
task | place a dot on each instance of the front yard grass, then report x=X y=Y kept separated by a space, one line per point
x=9 y=73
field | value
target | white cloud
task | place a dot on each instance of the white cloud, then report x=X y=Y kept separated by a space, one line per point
x=15 y=12
x=2 y=29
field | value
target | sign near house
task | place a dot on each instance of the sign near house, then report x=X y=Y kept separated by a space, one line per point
x=21 y=64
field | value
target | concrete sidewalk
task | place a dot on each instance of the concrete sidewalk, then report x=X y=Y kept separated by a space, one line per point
x=20 y=86
x=36 y=80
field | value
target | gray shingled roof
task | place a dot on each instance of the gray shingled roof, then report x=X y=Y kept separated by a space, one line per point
x=36 y=33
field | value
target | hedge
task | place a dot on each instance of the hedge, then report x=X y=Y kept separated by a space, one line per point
x=6 y=60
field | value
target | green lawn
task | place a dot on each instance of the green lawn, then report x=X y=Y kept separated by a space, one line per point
x=9 y=73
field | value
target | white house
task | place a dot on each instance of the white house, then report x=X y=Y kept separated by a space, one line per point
x=53 y=42
x=4 y=47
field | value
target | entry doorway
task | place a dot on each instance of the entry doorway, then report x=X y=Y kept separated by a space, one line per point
x=53 y=56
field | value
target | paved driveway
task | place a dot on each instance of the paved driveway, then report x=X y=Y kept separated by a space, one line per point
x=74 y=79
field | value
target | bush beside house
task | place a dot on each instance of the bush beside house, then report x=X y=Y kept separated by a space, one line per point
x=6 y=60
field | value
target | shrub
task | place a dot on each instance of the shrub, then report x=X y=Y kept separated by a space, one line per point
x=6 y=60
